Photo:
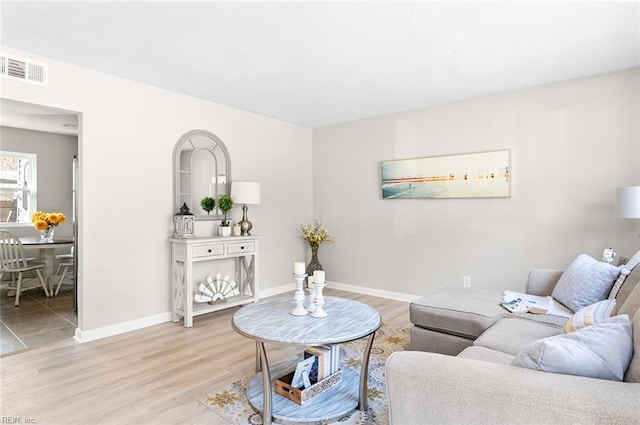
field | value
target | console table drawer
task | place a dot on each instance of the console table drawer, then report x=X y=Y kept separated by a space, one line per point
x=236 y=248
x=208 y=250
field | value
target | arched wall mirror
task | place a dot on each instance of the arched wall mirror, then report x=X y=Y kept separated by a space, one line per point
x=201 y=167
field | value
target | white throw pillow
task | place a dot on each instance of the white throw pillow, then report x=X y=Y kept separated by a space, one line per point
x=590 y=315
x=601 y=351
x=584 y=282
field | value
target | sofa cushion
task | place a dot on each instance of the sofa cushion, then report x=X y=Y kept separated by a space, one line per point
x=631 y=291
x=511 y=334
x=584 y=282
x=437 y=342
x=633 y=372
x=542 y=281
x=601 y=351
x=590 y=315
x=458 y=311
x=486 y=355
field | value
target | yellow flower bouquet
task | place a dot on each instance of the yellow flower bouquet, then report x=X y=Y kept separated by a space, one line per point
x=42 y=221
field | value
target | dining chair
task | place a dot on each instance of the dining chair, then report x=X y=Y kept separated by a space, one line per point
x=68 y=268
x=14 y=262
x=63 y=259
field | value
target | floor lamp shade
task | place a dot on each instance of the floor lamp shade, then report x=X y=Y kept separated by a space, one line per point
x=245 y=193
x=628 y=202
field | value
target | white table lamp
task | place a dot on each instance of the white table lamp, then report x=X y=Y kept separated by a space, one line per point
x=628 y=202
x=245 y=193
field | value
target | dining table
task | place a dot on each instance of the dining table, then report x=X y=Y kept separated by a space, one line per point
x=47 y=253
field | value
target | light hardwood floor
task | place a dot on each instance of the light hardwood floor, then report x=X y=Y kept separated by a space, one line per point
x=151 y=376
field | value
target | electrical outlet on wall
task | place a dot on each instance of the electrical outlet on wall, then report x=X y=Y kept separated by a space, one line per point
x=466 y=281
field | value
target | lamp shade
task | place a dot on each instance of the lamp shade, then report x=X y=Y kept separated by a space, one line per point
x=245 y=192
x=628 y=202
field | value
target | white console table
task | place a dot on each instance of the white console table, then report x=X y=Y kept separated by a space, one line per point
x=186 y=253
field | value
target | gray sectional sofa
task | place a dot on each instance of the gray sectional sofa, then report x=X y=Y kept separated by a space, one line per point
x=463 y=364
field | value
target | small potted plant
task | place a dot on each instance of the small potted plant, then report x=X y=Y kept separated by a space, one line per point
x=208 y=204
x=225 y=203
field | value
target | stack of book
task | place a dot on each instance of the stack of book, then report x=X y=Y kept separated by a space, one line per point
x=326 y=362
x=318 y=372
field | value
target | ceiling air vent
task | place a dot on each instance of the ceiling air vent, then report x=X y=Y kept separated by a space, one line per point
x=26 y=70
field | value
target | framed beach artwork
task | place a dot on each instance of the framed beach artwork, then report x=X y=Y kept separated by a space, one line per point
x=471 y=175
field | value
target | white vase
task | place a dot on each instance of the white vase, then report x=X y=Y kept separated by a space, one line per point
x=224 y=230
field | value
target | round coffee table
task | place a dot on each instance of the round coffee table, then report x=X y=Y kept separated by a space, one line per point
x=271 y=322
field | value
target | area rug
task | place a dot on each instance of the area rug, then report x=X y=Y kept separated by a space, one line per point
x=231 y=402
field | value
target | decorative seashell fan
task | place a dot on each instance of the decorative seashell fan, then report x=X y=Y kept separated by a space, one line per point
x=216 y=289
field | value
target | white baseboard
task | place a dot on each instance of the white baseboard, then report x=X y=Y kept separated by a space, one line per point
x=345 y=287
x=132 y=325
x=398 y=296
x=120 y=328
x=277 y=290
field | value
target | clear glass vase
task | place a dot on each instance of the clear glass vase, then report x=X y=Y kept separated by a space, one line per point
x=46 y=235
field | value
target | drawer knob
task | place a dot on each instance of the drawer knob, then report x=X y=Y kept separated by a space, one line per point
x=208 y=250
x=242 y=247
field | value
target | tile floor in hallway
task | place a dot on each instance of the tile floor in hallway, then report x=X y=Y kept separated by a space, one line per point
x=37 y=321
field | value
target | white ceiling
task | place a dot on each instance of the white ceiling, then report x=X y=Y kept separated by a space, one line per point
x=38 y=118
x=322 y=63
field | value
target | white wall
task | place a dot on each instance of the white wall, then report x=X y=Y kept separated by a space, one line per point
x=54 y=172
x=127 y=134
x=571 y=145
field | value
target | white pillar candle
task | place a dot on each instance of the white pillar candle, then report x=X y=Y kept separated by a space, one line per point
x=318 y=276
x=298 y=268
x=310 y=282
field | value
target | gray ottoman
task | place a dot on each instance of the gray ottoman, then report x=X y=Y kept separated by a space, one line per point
x=450 y=320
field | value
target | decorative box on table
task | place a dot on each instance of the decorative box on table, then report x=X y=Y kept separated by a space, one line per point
x=302 y=395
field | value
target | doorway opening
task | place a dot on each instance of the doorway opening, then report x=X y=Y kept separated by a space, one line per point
x=54 y=137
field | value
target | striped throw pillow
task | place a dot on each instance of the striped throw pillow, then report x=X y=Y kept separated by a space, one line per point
x=624 y=272
x=590 y=315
